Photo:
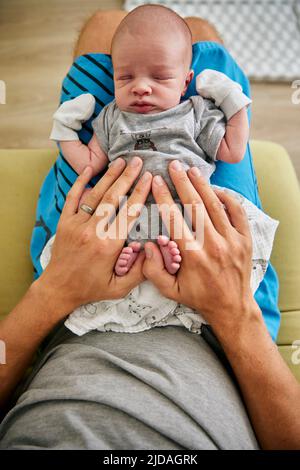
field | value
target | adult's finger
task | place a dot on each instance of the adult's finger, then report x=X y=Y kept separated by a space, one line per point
x=154 y=269
x=112 y=197
x=130 y=211
x=171 y=214
x=236 y=213
x=94 y=197
x=191 y=199
x=75 y=193
x=212 y=203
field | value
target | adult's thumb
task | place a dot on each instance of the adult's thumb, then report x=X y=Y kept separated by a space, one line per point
x=136 y=275
x=154 y=270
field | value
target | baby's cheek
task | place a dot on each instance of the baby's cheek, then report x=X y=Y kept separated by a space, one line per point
x=120 y=91
x=172 y=97
x=120 y=98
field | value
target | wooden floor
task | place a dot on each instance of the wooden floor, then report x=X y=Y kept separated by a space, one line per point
x=37 y=39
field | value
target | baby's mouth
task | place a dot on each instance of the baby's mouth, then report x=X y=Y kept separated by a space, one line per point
x=142 y=107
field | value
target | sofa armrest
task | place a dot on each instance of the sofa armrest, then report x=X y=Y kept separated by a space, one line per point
x=280 y=195
x=21 y=176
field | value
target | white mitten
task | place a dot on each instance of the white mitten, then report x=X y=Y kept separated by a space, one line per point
x=70 y=115
x=227 y=94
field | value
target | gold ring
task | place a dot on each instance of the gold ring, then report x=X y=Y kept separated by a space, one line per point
x=87 y=209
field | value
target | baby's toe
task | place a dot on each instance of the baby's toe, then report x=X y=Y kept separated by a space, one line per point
x=174 y=268
x=122 y=262
x=127 y=250
x=162 y=240
x=125 y=256
x=120 y=270
x=172 y=245
x=136 y=246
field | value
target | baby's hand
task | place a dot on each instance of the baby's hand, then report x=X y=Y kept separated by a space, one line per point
x=70 y=115
x=226 y=93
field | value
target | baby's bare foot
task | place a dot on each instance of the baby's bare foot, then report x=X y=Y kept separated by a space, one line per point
x=171 y=254
x=127 y=258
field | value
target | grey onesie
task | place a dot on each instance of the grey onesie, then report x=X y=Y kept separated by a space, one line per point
x=190 y=132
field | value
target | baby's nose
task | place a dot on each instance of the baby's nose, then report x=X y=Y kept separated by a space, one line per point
x=141 y=89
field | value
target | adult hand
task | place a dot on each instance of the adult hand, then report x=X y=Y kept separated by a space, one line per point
x=214 y=277
x=81 y=268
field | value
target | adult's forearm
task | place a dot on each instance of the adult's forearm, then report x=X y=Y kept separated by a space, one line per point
x=23 y=330
x=270 y=391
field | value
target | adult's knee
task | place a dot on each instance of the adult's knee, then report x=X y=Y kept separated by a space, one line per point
x=97 y=32
x=108 y=18
x=202 y=30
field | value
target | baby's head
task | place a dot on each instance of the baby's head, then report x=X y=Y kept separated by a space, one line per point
x=151 y=54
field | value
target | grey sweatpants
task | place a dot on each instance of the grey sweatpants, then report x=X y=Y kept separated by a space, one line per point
x=160 y=389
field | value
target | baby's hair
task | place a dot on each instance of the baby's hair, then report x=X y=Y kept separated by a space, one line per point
x=148 y=16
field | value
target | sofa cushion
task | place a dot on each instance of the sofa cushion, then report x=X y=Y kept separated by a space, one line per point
x=21 y=176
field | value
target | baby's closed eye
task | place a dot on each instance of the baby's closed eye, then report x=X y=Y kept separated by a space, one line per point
x=163 y=78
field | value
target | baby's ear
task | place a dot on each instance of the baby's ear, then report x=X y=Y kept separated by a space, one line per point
x=190 y=75
x=188 y=80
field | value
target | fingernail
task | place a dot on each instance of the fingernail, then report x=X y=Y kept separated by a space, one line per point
x=195 y=171
x=146 y=177
x=158 y=180
x=176 y=165
x=118 y=162
x=135 y=161
x=148 y=253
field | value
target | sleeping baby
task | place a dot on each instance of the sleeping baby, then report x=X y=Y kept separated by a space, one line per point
x=147 y=119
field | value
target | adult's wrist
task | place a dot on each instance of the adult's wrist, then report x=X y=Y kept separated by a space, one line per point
x=239 y=327
x=55 y=304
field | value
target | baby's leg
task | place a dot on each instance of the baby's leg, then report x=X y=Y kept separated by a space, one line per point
x=171 y=254
x=127 y=258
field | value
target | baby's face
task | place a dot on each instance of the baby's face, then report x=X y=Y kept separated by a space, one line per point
x=150 y=74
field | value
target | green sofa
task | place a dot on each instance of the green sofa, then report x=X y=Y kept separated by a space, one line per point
x=22 y=173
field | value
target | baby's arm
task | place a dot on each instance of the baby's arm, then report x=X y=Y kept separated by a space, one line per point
x=79 y=155
x=66 y=121
x=229 y=97
x=233 y=145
